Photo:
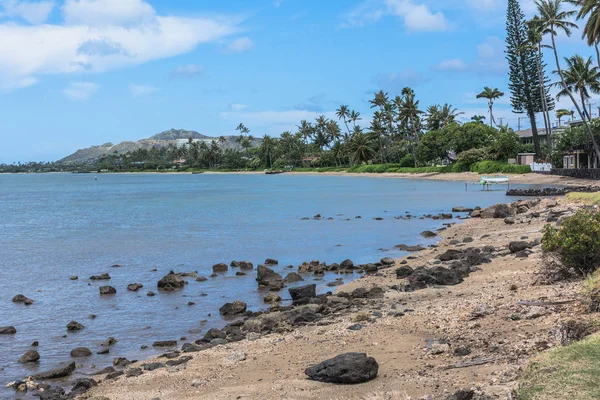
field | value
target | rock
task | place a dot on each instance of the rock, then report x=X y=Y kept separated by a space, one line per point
x=53 y=393
x=387 y=261
x=461 y=209
x=293 y=277
x=190 y=348
x=235 y=308
x=522 y=254
x=199 y=382
x=462 y=351
x=214 y=333
x=244 y=265
x=509 y=221
x=106 y=370
x=428 y=234
x=30 y=356
x=22 y=299
x=272 y=298
x=468 y=239
x=515 y=247
x=121 y=362
x=73 y=277
x=153 y=366
x=113 y=375
x=347 y=264
x=404 y=247
x=134 y=372
x=74 y=326
x=7 y=330
x=403 y=272
x=107 y=290
x=236 y=356
x=165 y=343
x=104 y=350
x=355 y=327
x=150 y=294
x=101 y=277
x=56 y=373
x=134 y=287
x=82 y=385
x=348 y=368
x=303 y=293
x=182 y=360
x=271 y=261
x=221 y=267
x=269 y=278
x=81 y=352
x=462 y=395
x=201 y=279
x=337 y=282
x=170 y=282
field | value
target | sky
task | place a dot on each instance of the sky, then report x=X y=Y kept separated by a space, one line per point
x=75 y=73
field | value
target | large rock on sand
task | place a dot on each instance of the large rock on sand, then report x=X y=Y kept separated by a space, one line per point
x=235 y=308
x=269 y=278
x=303 y=294
x=346 y=368
x=56 y=373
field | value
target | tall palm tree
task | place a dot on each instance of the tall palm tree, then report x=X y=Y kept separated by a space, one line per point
x=433 y=116
x=562 y=113
x=491 y=95
x=362 y=148
x=535 y=38
x=553 y=19
x=478 y=118
x=448 y=115
x=580 y=77
x=343 y=114
x=409 y=118
x=305 y=129
x=354 y=116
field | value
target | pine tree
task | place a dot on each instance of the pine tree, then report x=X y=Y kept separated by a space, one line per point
x=522 y=59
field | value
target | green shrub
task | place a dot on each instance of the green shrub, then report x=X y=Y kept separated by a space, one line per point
x=492 y=167
x=460 y=167
x=407 y=161
x=575 y=245
x=472 y=156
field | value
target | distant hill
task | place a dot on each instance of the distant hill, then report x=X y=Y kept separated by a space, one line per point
x=162 y=139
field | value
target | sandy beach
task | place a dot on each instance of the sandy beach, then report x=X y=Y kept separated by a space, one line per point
x=424 y=341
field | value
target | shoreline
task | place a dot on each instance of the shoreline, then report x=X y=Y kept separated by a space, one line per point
x=463 y=316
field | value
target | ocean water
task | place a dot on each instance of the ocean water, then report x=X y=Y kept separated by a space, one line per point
x=58 y=225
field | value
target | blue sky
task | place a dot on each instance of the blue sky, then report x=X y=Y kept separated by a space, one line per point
x=79 y=72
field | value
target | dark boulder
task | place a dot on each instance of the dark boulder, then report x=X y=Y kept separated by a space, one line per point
x=106 y=370
x=56 y=373
x=461 y=209
x=30 y=356
x=403 y=272
x=370 y=268
x=107 y=290
x=74 y=326
x=404 y=247
x=170 y=282
x=134 y=372
x=153 y=366
x=81 y=352
x=101 y=277
x=220 y=267
x=82 y=385
x=22 y=299
x=428 y=234
x=165 y=343
x=515 y=247
x=121 y=362
x=7 y=330
x=214 y=333
x=348 y=368
x=293 y=277
x=387 y=261
x=303 y=293
x=462 y=395
x=134 y=287
x=235 y=308
x=114 y=375
x=269 y=278
x=53 y=393
x=244 y=265
x=271 y=261
x=347 y=264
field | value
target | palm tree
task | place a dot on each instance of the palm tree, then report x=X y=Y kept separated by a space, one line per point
x=580 y=77
x=491 y=95
x=551 y=20
x=362 y=148
x=591 y=30
x=562 y=113
x=266 y=149
x=333 y=130
x=478 y=118
x=377 y=131
x=409 y=118
x=343 y=114
x=305 y=129
x=448 y=115
x=433 y=117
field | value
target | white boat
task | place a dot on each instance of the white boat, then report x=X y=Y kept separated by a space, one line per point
x=486 y=180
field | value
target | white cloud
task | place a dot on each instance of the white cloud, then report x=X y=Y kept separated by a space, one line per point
x=187 y=70
x=241 y=45
x=32 y=12
x=237 y=107
x=415 y=14
x=396 y=81
x=95 y=44
x=142 y=90
x=107 y=12
x=455 y=64
x=80 y=90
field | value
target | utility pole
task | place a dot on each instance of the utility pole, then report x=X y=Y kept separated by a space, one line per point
x=501 y=119
x=519 y=124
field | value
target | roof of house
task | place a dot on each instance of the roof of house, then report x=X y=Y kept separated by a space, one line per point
x=527 y=133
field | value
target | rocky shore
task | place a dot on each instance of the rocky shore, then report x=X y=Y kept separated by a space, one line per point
x=456 y=319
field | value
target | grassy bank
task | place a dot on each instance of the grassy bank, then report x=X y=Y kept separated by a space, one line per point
x=569 y=372
x=586 y=198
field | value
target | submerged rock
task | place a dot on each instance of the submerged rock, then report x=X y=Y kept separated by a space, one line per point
x=348 y=368
x=221 y=267
x=134 y=287
x=74 y=326
x=7 y=330
x=170 y=282
x=81 y=352
x=107 y=290
x=30 y=356
x=101 y=277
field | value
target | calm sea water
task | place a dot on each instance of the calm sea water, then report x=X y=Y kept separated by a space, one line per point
x=55 y=226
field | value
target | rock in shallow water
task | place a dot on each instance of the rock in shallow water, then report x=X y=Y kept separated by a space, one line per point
x=346 y=368
x=235 y=308
x=74 y=326
x=171 y=281
x=7 y=330
x=56 y=373
x=81 y=352
x=30 y=356
x=107 y=290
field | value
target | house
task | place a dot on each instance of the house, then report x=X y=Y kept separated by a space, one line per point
x=526 y=136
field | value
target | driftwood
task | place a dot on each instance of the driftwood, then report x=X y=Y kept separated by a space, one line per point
x=472 y=363
x=543 y=303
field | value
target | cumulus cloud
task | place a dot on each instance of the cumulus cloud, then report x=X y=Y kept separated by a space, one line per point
x=101 y=35
x=415 y=14
x=32 y=12
x=396 y=81
x=141 y=90
x=80 y=90
x=189 y=70
x=240 y=45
